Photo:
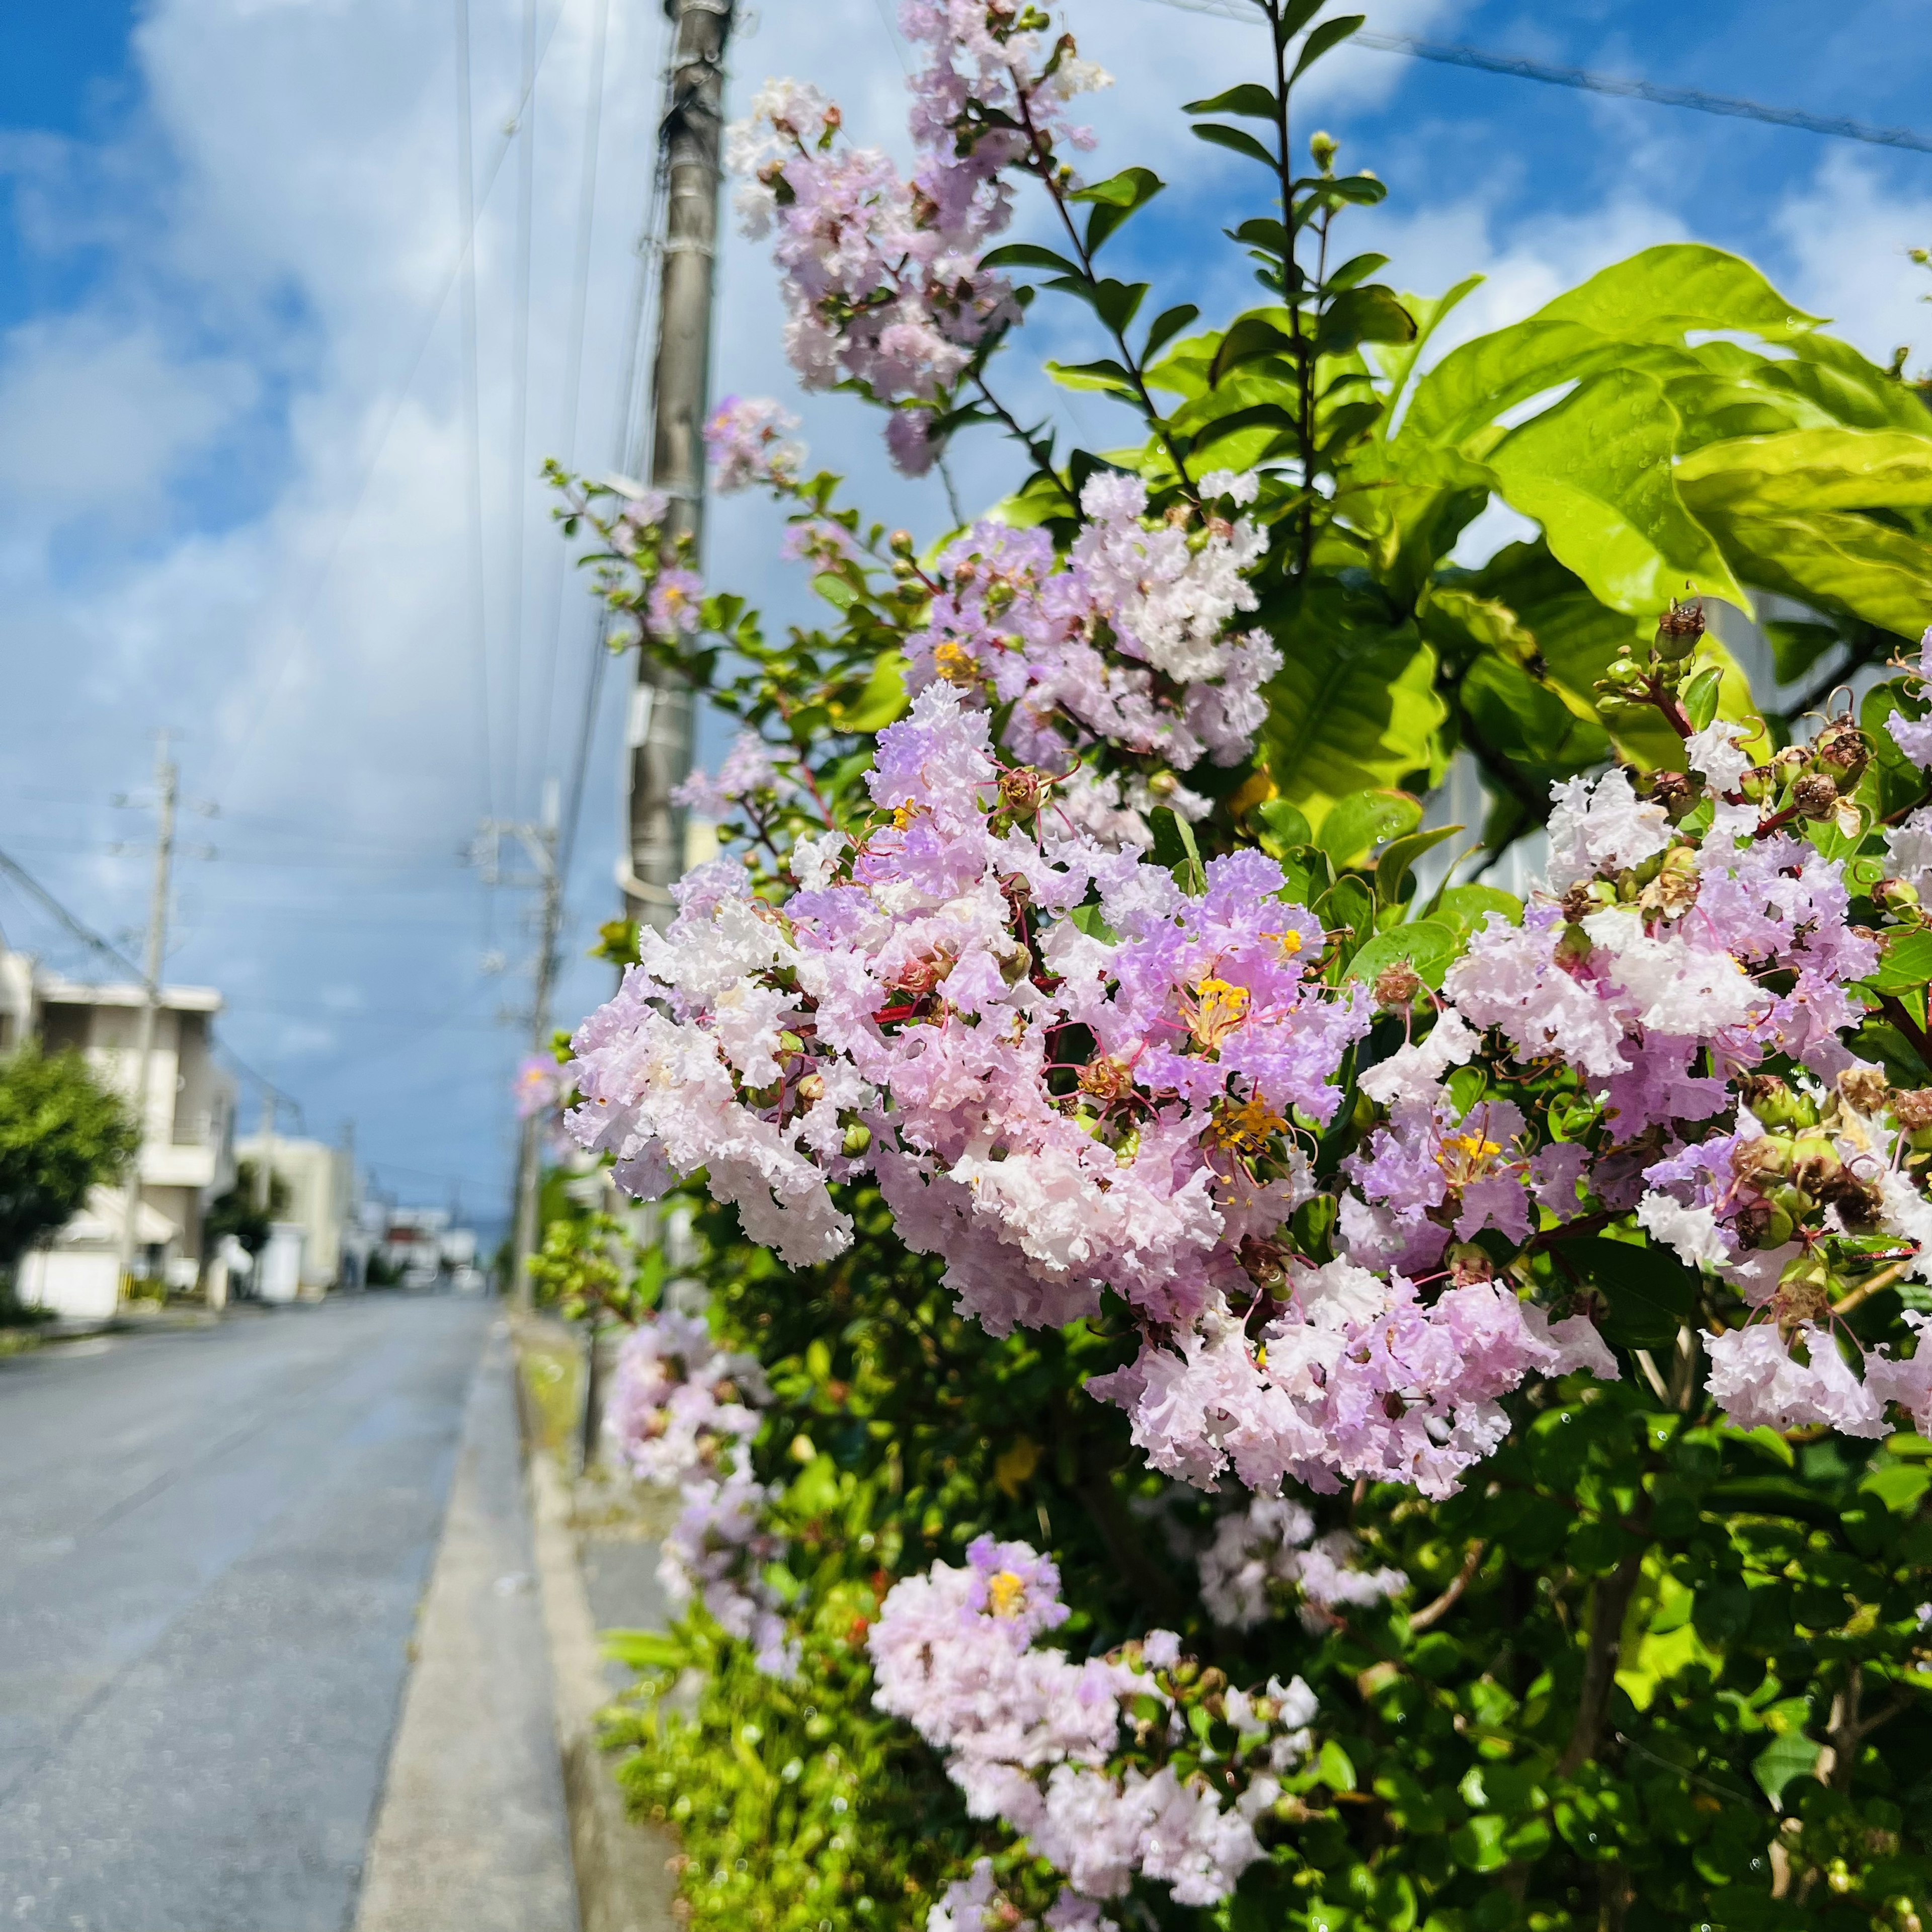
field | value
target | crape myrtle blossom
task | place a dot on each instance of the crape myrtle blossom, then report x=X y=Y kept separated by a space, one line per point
x=1127 y=640
x=1029 y=1733
x=748 y=768
x=748 y=440
x=539 y=1085
x=1913 y=736
x=681 y=1413
x=882 y=275
x=976 y=1903
x=1070 y=1072
x=1268 y=1553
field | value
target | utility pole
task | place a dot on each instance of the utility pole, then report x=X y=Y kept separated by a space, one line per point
x=539 y=842
x=659 y=738
x=166 y=781
x=264 y=1168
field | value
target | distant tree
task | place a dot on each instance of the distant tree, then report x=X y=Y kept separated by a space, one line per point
x=239 y=1211
x=61 y=1133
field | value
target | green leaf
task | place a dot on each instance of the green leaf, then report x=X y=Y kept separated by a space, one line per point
x=1648 y=1293
x=1807 y=469
x=1595 y=473
x=1794 y=1755
x=1110 y=377
x=1658 y=294
x=1356 y=315
x=1907 y=962
x=1088 y=919
x=1330 y=33
x=1363 y=820
x=1030 y=255
x=1251 y=338
x=1117 y=303
x=1352 y=701
x=1165 y=326
x=1285 y=825
x=1357 y=269
x=1467 y=908
x=835 y=589
x=1233 y=138
x=1166 y=821
x=1294 y=17
x=882 y=700
x=1426 y=944
x=1700 y=696
x=1114 y=200
x=1833 y=560
x=1393 y=868
x=1250 y=98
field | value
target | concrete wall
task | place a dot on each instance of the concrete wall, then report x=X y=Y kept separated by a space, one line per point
x=74 y=1283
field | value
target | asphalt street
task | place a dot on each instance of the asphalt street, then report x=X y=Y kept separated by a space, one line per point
x=212 y=1546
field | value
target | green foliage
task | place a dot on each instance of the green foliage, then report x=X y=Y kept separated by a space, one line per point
x=240 y=1211
x=61 y=1133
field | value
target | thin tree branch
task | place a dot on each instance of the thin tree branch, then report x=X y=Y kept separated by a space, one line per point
x=1431 y=1614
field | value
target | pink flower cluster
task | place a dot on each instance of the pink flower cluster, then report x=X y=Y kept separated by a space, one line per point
x=1028 y=1732
x=1067 y=1074
x=1126 y=640
x=681 y=1412
x=749 y=440
x=882 y=275
x=539 y=1085
x=1267 y=1555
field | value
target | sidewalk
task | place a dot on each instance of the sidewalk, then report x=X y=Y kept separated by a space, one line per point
x=473 y=1834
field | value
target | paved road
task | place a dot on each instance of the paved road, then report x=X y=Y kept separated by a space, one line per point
x=212 y=1544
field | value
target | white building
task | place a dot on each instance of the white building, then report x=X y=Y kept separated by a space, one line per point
x=320 y=1202
x=186 y=1153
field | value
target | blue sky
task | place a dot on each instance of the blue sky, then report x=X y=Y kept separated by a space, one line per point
x=232 y=493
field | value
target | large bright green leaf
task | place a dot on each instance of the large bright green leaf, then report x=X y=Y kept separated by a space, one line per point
x=1466 y=392
x=1658 y=294
x=1806 y=469
x=1354 y=704
x=1595 y=473
x=1835 y=560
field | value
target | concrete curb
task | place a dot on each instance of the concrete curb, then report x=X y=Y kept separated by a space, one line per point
x=623 y=1879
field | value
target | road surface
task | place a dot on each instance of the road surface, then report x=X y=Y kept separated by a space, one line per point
x=212 y=1545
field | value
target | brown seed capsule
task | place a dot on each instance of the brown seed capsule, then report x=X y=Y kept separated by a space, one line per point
x=1756 y=1161
x=1673 y=791
x=1912 y=1109
x=1856 y=1200
x=1864 y=1087
x=1815 y=796
x=1396 y=986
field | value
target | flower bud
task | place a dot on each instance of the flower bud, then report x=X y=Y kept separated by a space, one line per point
x=1814 y=1161
x=1758 y=784
x=1679 y=631
x=1776 y=1103
x=1324 y=147
x=858 y=1139
x=1897 y=897
x=810 y=1088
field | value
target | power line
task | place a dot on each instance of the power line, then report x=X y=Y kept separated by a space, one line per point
x=472 y=424
x=85 y=934
x=573 y=378
x=519 y=397
x=1520 y=66
x=432 y=317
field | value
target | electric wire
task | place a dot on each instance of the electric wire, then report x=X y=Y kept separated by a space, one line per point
x=520 y=400
x=573 y=374
x=472 y=423
x=245 y=744
x=1520 y=66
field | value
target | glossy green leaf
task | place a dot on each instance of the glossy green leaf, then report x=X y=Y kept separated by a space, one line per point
x=1426 y=944
x=1249 y=98
x=1468 y=908
x=1114 y=200
x=1030 y=255
x=1648 y=1293
x=1234 y=138
x=1165 y=326
x=1833 y=560
x=1393 y=868
x=1805 y=470
x=1907 y=962
x=882 y=700
x=1369 y=314
x=1330 y=33
x=1363 y=820
x=1658 y=294
x=1595 y=473
x=1348 y=704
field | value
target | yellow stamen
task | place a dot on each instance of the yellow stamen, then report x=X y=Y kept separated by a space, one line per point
x=1220 y=1008
x=1287 y=944
x=1005 y=1592
x=955 y=664
x=1245 y=1128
